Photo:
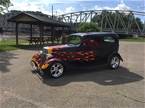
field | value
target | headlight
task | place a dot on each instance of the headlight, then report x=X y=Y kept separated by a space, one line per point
x=45 y=51
x=41 y=52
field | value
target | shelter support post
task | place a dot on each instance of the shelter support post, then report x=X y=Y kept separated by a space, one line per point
x=17 y=25
x=52 y=34
x=41 y=33
x=30 y=33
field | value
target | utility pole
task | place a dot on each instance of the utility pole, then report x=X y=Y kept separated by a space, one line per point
x=52 y=11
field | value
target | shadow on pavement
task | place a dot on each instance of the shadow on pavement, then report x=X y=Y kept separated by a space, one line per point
x=100 y=75
x=5 y=61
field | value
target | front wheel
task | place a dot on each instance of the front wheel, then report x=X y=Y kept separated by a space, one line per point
x=56 y=69
x=114 y=62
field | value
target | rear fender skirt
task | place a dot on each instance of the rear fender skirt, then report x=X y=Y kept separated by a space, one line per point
x=120 y=57
x=115 y=53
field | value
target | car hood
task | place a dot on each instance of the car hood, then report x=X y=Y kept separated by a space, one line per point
x=56 y=48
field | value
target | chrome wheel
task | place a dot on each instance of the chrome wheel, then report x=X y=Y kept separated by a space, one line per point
x=56 y=70
x=115 y=61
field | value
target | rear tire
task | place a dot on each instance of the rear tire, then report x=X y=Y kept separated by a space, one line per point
x=56 y=69
x=114 y=62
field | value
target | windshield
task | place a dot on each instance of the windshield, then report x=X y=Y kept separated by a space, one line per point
x=73 y=40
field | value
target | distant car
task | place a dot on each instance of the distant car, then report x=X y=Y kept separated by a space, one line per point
x=80 y=47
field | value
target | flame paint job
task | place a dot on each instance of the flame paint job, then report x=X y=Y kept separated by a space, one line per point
x=64 y=53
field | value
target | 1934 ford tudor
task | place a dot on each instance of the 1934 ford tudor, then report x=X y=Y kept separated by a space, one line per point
x=80 y=47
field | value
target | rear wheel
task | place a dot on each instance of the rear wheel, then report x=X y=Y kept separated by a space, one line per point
x=114 y=62
x=56 y=69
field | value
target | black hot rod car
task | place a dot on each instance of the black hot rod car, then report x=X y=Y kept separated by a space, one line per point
x=84 y=47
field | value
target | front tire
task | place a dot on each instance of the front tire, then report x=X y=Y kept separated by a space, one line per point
x=114 y=62
x=56 y=69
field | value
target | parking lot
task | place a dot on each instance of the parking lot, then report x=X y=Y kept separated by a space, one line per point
x=88 y=87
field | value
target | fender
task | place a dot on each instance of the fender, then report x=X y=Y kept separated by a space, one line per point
x=116 y=53
x=53 y=60
x=48 y=62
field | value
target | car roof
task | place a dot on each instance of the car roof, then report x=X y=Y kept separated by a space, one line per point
x=95 y=34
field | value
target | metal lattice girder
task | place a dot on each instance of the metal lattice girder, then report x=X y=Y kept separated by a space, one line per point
x=117 y=24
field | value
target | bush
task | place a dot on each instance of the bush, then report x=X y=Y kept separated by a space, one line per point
x=88 y=27
x=124 y=36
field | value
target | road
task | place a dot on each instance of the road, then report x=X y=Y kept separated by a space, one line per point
x=95 y=87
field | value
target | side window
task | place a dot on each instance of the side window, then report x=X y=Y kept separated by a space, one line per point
x=109 y=39
x=92 y=42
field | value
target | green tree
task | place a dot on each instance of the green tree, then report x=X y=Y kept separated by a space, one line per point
x=139 y=22
x=4 y=4
x=88 y=27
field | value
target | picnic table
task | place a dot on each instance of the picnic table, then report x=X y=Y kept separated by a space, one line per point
x=39 y=40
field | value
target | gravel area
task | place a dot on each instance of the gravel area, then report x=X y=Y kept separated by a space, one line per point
x=88 y=87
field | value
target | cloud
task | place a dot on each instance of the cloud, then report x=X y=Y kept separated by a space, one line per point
x=69 y=6
x=103 y=8
x=66 y=10
x=24 y=7
x=120 y=6
x=28 y=6
x=69 y=9
x=37 y=6
x=21 y=6
x=64 y=1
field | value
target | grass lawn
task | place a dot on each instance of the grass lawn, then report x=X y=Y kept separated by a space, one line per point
x=10 y=44
x=139 y=39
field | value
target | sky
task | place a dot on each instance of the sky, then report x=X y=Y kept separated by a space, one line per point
x=67 y=6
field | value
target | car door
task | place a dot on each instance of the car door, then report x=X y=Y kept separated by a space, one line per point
x=108 y=46
x=89 y=48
